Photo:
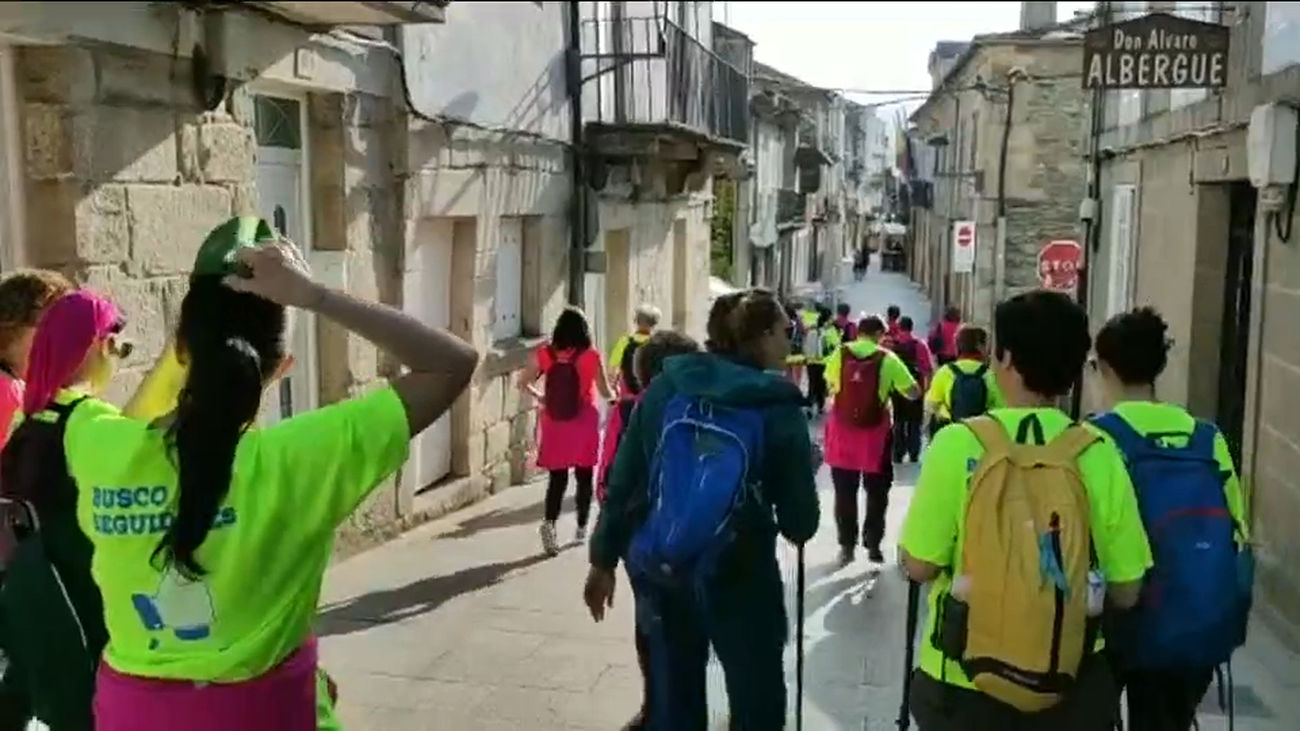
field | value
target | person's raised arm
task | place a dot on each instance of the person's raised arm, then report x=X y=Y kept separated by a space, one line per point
x=439 y=365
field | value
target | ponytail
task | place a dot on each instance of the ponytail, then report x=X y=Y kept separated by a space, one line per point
x=221 y=397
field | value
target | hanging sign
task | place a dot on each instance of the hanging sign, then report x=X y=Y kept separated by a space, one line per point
x=1156 y=51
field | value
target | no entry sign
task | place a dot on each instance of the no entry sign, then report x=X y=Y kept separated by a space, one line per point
x=1058 y=265
x=963 y=247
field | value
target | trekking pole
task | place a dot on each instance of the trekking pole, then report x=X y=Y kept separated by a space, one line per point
x=798 y=666
x=909 y=650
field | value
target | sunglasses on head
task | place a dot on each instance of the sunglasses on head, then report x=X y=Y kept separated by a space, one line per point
x=120 y=347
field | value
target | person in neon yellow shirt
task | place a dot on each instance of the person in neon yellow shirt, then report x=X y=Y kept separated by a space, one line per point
x=621 y=372
x=972 y=355
x=1041 y=344
x=211 y=536
x=1132 y=351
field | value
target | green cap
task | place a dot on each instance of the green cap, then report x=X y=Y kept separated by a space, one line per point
x=217 y=254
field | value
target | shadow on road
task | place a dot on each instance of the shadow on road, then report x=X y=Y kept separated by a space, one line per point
x=394 y=605
x=495 y=519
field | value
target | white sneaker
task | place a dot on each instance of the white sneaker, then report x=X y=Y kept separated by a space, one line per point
x=550 y=545
x=581 y=534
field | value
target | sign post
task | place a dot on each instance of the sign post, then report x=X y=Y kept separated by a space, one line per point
x=1059 y=263
x=963 y=247
x=1156 y=51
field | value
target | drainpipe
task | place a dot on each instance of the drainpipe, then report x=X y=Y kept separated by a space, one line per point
x=578 y=199
x=1000 y=247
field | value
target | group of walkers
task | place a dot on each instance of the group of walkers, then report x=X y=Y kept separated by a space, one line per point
x=163 y=563
x=1036 y=534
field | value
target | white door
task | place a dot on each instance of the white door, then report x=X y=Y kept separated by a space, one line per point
x=281 y=201
x=427 y=285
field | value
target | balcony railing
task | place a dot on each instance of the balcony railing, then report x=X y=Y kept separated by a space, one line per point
x=650 y=71
x=791 y=206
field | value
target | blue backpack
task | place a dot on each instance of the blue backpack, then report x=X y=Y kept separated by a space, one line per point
x=1196 y=599
x=703 y=474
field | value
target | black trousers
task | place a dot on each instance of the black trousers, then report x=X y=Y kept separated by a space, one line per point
x=817 y=386
x=908 y=417
x=556 y=485
x=1092 y=705
x=1164 y=700
x=872 y=531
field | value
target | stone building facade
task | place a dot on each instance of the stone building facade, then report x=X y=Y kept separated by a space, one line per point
x=963 y=122
x=1183 y=229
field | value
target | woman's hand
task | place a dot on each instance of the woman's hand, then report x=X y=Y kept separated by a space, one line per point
x=276 y=271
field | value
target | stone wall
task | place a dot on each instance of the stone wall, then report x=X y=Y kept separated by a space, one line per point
x=125 y=176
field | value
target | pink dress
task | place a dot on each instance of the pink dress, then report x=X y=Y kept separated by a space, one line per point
x=573 y=443
x=283 y=699
x=856 y=448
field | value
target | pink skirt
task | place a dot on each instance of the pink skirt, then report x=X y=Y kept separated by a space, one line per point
x=564 y=445
x=856 y=448
x=283 y=699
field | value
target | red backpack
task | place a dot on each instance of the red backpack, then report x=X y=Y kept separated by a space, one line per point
x=562 y=396
x=858 y=401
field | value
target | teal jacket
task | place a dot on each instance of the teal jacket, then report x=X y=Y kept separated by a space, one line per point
x=787 y=479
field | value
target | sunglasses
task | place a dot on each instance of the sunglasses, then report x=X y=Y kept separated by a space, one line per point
x=118 y=346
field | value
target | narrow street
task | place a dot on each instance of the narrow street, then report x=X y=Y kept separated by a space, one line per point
x=463 y=624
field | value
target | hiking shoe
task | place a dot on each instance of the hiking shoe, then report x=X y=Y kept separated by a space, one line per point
x=550 y=545
x=581 y=534
x=874 y=555
x=846 y=555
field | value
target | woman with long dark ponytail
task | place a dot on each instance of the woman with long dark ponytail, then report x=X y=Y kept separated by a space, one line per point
x=211 y=535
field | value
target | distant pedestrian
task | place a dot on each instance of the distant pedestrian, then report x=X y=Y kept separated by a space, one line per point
x=211 y=535
x=892 y=314
x=819 y=340
x=964 y=387
x=621 y=356
x=909 y=413
x=845 y=324
x=1194 y=609
x=794 y=360
x=569 y=421
x=861 y=377
x=650 y=359
x=943 y=336
x=697 y=496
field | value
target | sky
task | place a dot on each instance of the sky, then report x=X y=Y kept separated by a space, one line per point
x=865 y=45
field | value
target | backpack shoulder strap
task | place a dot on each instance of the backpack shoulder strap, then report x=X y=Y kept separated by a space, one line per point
x=64 y=411
x=1126 y=438
x=1072 y=442
x=1203 y=437
x=990 y=434
x=979 y=372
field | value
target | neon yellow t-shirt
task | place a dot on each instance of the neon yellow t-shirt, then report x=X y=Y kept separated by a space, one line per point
x=620 y=346
x=1170 y=421
x=939 y=396
x=894 y=376
x=933 y=529
x=293 y=484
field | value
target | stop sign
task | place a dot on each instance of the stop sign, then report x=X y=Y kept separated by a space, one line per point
x=1058 y=265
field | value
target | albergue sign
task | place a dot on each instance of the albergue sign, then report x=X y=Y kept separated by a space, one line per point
x=1156 y=51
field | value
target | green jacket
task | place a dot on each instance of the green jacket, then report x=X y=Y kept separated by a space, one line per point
x=788 y=478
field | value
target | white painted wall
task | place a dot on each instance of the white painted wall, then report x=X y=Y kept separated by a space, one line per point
x=496 y=64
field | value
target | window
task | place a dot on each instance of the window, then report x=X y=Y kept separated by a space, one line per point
x=1123 y=228
x=506 y=320
x=1281 y=33
x=1129 y=101
x=1203 y=11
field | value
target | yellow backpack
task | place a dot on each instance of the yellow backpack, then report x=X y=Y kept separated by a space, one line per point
x=1025 y=560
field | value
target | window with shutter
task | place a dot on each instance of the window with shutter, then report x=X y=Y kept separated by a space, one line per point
x=1122 y=235
x=506 y=321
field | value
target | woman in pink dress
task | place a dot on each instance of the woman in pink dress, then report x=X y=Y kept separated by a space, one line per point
x=568 y=424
